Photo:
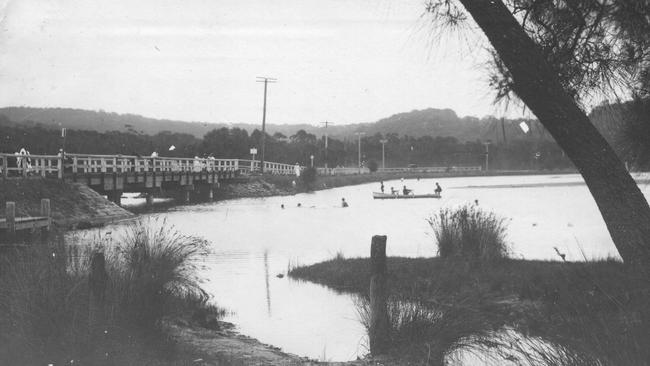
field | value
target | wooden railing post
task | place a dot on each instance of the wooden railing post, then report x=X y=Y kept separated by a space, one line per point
x=10 y=214
x=59 y=167
x=379 y=326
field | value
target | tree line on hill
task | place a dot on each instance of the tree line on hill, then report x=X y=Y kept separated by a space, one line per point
x=416 y=123
x=530 y=152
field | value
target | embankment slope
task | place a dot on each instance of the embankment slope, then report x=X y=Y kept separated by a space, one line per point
x=72 y=204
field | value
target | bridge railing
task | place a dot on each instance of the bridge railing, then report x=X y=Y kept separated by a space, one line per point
x=48 y=165
x=269 y=167
x=24 y=165
x=342 y=171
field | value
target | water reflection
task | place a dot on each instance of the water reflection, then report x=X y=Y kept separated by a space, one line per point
x=266 y=279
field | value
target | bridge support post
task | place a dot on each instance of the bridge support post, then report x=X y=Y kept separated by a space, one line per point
x=149 y=198
x=187 y=193
x=115 y=196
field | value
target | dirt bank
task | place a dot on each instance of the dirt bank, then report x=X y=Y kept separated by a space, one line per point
x=72 y=204
x=227 y=347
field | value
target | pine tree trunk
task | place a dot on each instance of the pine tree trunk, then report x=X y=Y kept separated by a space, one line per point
x=621 y=203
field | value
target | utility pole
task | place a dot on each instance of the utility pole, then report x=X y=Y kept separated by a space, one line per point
x=383 y=153
x=359 y=135
x=264 y=80
x=487 y=153
x=503 y=129
x=326 y=123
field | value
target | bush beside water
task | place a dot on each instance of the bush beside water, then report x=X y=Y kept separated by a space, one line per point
x=48 y=315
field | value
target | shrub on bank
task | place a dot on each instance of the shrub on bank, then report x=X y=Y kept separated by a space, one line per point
x=48 y=313
x=373 y=166
x=470 y=233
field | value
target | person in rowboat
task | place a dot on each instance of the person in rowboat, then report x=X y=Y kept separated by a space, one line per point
x=406 y=191
x=438 y=189
x=382 y=186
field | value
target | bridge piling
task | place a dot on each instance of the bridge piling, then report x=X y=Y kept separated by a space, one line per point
x=149 y=198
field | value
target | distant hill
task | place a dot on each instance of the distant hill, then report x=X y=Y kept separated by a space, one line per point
x=417 y=123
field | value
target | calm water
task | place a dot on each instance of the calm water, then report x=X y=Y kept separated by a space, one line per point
x=254 y=240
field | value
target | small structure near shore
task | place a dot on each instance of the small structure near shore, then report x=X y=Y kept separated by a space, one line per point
x=12 y=224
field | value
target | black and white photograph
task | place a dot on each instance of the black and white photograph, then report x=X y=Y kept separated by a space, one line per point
x=335 y=182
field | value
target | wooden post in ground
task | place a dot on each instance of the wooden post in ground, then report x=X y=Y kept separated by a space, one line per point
x=97 y=281
x=379 y=326
x=45 y=212
x=10 y=214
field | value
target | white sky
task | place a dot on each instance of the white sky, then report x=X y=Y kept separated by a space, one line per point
x=345 y=61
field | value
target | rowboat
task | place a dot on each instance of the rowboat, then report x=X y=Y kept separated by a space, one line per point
x=388 y=196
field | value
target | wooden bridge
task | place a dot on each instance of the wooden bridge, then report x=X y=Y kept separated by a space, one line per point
x=114 y=174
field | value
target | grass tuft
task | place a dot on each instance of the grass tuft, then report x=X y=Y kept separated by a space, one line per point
x=470 y=233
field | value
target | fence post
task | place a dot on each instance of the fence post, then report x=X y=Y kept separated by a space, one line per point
x=45 y=211
x=379 y=327
x=10 y=214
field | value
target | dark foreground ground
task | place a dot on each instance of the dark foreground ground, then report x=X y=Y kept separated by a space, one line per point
x=592 y=313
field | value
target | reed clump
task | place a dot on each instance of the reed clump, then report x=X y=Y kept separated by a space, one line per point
x=470 y=233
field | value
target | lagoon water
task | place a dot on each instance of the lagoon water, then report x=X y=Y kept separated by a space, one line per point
x=254 y=240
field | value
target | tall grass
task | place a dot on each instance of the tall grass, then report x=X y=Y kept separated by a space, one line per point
x=155 y=266
x=470 y=233
x=47 y=313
